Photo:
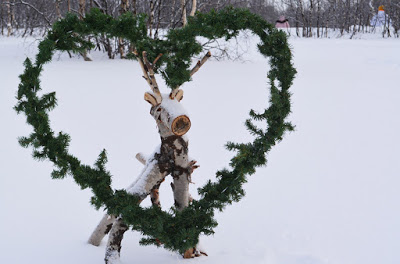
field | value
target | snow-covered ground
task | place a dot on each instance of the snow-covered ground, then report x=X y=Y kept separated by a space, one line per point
x=329 y=195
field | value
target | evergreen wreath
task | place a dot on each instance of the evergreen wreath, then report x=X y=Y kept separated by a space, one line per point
x=178 y=230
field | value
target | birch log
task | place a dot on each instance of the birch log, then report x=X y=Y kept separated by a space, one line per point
x=114 y=242
x=101 y=230
x=171 y=158
x=151 y=177
x=106 y=222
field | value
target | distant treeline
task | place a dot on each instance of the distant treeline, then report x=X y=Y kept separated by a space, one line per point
x=315 y=17
x=311 y=18
x=29 y=15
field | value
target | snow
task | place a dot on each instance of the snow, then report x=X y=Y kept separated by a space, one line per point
x=139 y=185
x=329 y=194
x=173 y=107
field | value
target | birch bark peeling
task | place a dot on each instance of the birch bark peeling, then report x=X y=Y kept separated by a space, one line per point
x=155 y=196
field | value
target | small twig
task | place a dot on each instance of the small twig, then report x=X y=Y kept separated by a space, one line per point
x=196 y=67
x=200 y=63
x=158 y=57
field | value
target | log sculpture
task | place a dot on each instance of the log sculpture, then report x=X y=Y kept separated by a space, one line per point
x=170 y=158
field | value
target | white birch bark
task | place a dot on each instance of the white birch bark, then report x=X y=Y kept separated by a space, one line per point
x=113 y=248
x=9 y=19
x=194 y=7
x=183 y=9
x=147 y=183
x=123 y=9
x=58 y=11
x=151 y=18
x=101 y=230
x=171 y=158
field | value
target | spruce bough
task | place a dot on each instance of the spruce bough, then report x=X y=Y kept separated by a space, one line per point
x=178 y=231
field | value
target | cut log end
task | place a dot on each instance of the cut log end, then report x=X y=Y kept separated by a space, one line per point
x=188 y=253
x=180 y=125
x=193 y=253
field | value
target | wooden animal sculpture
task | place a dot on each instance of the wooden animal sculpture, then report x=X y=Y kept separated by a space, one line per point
x=170 y=158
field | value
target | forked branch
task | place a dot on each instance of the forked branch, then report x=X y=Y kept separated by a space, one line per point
x=148 y=75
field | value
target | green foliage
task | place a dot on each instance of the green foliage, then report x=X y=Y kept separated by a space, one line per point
x=178 y=231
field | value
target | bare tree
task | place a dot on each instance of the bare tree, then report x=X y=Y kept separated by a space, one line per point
x=183 y=10
x=9 y=21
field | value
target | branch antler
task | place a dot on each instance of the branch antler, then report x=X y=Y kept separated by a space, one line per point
x=148 y=75
x=177 y=93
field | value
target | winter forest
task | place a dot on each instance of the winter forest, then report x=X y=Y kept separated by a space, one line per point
x=310 y=18
x=290 y=107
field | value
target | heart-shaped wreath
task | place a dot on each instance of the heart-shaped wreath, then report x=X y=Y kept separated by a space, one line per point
x=179 y=230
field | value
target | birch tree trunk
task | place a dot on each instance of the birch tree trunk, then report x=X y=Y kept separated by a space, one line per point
x=82 y=11
x=9 y=19
x=123 y=9
x=2 y=24
x=160 y=2
x=183 y=9
x=134 y=7
x=151 y=17
x=58 y=11
x=82 y=7
x=194 y=7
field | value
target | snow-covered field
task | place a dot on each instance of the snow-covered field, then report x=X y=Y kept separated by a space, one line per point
x=329 y=195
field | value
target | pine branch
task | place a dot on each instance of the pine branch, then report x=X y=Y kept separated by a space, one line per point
x=177 y=230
